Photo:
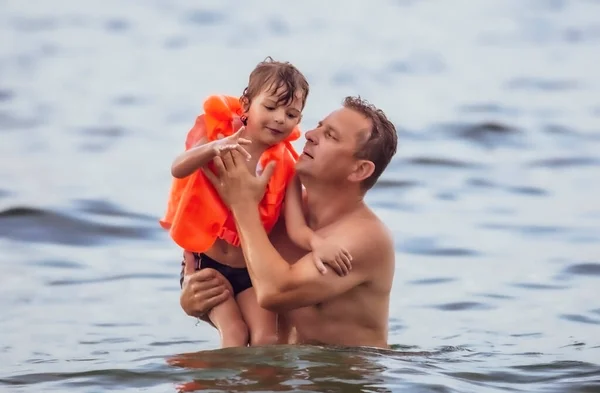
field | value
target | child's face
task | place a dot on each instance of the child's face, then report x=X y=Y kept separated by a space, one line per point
x=270 y=122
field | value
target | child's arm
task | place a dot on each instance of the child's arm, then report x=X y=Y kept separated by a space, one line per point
x=202 y=153
x=301 y=234
x=295 y=224
x=193 y=159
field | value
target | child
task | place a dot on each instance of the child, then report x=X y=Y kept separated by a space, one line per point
x=270 y=110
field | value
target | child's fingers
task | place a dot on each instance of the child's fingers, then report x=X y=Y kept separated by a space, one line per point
x=231 y=147
x=223 y=148
x=346 y=261
x=347 y=253
x=239 y=132
x=320 y=265
x=337 y=267
x=340 y=261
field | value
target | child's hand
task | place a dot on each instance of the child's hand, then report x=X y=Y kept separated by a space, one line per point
x=232 y=142
x=337 y=257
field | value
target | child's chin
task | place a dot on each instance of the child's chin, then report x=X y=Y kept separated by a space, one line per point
x=273 y=139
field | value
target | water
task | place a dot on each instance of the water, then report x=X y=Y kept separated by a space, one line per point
x=492 y=198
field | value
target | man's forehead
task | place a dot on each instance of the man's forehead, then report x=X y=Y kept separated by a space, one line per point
x=347 y=119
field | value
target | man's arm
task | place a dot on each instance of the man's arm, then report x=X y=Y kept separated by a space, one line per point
x=282 y=286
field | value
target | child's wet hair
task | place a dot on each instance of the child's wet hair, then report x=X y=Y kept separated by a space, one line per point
x=276 y=77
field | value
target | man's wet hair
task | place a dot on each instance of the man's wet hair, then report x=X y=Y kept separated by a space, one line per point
x=379 y=143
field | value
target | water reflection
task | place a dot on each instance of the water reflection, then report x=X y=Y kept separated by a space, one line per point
x=283 y=369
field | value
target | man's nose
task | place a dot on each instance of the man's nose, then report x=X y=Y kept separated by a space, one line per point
x=310 y=136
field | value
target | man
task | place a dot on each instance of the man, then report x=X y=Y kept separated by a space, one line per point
x=342 y=159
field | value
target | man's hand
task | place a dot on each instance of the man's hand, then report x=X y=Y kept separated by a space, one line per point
x=234 y=182
x=202 y=290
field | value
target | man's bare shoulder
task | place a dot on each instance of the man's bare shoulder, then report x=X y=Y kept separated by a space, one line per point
x=368 y=236
x=377 y=225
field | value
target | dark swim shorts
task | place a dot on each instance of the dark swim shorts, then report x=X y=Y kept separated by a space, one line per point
x=238 y=277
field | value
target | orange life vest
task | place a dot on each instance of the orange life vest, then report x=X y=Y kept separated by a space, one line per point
x=196 y=216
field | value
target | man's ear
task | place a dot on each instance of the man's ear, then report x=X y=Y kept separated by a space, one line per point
x=362 y=170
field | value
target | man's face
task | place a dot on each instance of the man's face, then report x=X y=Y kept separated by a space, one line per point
x=328 y=154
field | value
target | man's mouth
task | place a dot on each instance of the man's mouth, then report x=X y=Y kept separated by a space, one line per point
x=308 y=155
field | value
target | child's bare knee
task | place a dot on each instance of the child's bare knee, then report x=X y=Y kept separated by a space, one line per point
x=235 y=333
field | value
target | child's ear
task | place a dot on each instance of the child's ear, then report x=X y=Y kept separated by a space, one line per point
x=245 y=103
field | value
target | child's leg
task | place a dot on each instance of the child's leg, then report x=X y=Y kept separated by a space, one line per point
x=228 y=320
x=262 y=323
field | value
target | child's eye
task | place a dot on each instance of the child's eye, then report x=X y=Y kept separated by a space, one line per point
x=269 y=107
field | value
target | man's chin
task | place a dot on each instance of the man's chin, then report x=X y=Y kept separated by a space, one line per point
x=302 y=170
x=300 y=167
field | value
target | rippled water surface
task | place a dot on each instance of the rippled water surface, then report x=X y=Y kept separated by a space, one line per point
x=493 y=196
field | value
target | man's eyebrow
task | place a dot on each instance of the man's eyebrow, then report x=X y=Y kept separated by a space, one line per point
x=329 y=127
x=333 y=129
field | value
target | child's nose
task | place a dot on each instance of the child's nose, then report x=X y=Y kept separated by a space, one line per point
x=279 y=117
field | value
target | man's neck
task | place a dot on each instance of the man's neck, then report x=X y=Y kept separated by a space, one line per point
x=326 y=204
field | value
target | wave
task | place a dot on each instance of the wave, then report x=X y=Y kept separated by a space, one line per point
x=28 y=224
